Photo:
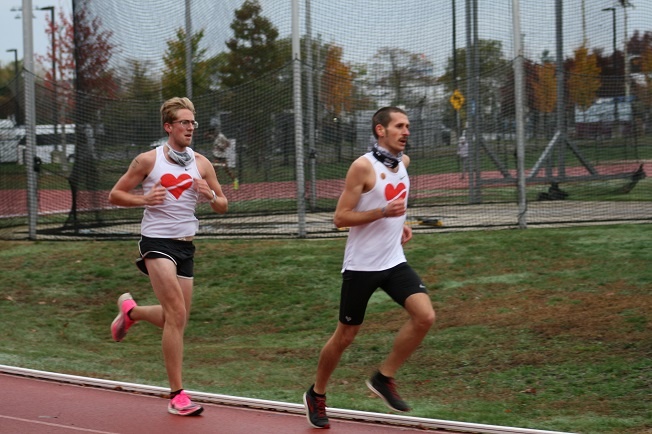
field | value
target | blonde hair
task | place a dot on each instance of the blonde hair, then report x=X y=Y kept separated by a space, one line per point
x=170 y=108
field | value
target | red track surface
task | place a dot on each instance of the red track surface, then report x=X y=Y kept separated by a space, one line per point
x=34 y=406
x=14 y=202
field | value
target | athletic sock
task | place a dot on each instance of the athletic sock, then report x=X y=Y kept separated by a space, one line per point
x=381 y=377
x=315 y=394
x=175 y=393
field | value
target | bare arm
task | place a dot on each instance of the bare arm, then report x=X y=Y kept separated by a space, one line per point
x=122 y=192
x=209 y=184
x=359 y=179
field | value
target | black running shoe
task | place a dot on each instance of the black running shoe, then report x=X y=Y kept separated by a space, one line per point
x=386 y=390
x=316 y=410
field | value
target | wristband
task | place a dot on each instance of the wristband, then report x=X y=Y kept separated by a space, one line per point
x=214 y=199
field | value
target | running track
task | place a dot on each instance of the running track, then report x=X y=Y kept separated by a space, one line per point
x=34 y=406
x=13 y=202
x=46 y=402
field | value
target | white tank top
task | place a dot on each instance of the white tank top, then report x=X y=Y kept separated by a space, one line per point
x=175 y=217
x=376 y=246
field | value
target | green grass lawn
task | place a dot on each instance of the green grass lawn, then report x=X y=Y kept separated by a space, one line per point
x=538 y=328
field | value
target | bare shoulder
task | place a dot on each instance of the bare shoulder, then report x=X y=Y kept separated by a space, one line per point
x=144 y=161
x=406 y=160
x=201 y=158
x=361 y=173
x=204 y=165
x=202 y=161
x=361 y=164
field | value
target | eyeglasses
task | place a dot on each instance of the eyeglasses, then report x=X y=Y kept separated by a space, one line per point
x=186 y=123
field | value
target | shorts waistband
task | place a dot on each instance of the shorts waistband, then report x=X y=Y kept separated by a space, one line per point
x=183 y=239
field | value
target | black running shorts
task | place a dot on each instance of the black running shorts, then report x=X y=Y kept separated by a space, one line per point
x=177 y=251
x=398 y=282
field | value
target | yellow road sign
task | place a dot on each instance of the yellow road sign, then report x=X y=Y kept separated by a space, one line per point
x=457 y=100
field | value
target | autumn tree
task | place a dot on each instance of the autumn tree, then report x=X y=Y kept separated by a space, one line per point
x=336 y=96
x=584 y=80
x=95 y=86
x=544 y=90
x=82 y=53
x=63 y=57
x=336 y=83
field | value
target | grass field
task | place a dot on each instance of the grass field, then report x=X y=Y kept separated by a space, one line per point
x=538 y=328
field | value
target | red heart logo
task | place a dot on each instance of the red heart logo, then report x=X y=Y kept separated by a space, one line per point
x=175 y=185
x=398 y=192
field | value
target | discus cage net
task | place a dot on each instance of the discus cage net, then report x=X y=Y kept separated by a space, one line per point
x=587 y=110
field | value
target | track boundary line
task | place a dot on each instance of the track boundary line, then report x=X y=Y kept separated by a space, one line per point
x=56 y=425
x=261 y=404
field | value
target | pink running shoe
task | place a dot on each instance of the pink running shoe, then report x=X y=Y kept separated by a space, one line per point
x=122 y=322
x=182 y=405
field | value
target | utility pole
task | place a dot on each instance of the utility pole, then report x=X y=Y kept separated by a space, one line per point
x=30 y=120
x=625 y=55
x=188 y=50
x=457 y=112
x=55 y=116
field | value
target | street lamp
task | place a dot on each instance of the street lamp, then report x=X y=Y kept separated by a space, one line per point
x=55 y=121
x=614 y=61
x=15 y=51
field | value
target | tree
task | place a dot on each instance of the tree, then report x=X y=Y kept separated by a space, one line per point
x=63 y=57
x=491 y=60
x=337 y=83
x=403 y=74
x=83 y=50
x=95 y=84
x=544 y=90
x=640 y=47
x=7 y=73
x=251 y=73
x=584 y=80
x=494 y=85
x=644 y=91
x=336 y=96
x=9 y=91
x=139 y=102
x=252 y=50
x=174 y=79
x=93 y=49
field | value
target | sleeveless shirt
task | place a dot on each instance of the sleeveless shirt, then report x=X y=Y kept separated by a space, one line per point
x=175 y=217
x=376 y=246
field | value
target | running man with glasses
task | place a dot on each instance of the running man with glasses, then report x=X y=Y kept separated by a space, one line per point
x=174 y=179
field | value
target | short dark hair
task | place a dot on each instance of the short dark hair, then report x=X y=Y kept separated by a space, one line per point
x=383 y=116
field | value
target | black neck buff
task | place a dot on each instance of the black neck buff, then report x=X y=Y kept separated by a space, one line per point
x=181 y=158
x=386 y=157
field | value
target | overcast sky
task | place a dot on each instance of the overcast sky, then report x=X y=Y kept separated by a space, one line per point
x=362 y=28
